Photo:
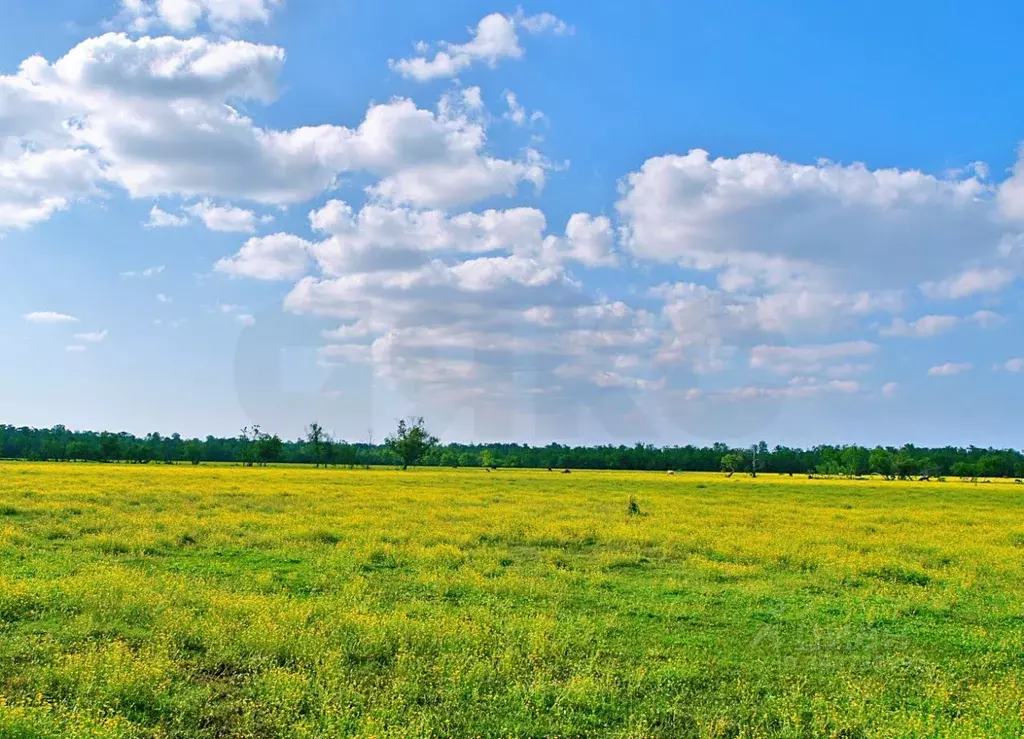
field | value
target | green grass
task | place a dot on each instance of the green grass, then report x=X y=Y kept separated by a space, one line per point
x=221 y=601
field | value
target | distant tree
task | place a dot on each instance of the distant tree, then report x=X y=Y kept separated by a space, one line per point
x=733 y=462
x=110 y=447
x=315 y=442
x=249 y=444
x=330 y=451
x=904 y=465
x=964 y=470
x=449 y=459
x=194 y=451
x=992 y=465
x=881 y=462
x=268 y=449
x=77 y=450
x=856 y=460
x=410 y=441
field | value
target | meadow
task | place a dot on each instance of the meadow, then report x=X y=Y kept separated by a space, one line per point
x=221 y=601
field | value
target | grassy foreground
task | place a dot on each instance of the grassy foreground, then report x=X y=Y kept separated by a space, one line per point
x=222 y=601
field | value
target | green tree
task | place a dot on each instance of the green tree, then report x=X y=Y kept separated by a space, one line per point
x=904 y=465
x=110 y=447
x=315 y=442
x=732 y=463
x=856 y=460
x=964 y=470
x=880 y=461
x=269 y=448
x=194 y=451
x=410 y=441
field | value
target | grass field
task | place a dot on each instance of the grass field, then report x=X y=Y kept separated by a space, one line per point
x=223 y=601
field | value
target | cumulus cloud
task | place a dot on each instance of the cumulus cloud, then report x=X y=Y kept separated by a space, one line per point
x=34 y=185
x=590 y=240
x=159 y=218
x=75 y=348
x=712 y=321
x=1013 y=365
x=890 y=389
x=224 y=16
x=923 y=327
x=949 y=368
x=224 y=218
x=495 y=38
x=278 y=256
x=161 y=117
x=969 y=282
x=759 y=220
x=49 y=317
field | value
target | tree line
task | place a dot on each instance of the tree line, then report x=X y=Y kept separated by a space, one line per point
x=411 y=444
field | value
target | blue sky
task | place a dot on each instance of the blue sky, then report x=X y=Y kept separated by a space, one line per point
x=582 y=222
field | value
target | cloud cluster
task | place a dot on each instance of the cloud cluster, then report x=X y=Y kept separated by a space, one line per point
x=160 y=117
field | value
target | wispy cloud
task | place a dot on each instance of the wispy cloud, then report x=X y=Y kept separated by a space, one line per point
x=49 y=317
x=93 y=337
x=950 y=368
x=143 y=273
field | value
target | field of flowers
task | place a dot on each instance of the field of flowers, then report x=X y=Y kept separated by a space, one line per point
x=179 y=601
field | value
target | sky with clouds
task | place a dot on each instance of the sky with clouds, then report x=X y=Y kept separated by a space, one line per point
x=583 y=222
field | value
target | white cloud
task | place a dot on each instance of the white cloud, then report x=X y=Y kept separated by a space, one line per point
x=161 y=298
x=278 y=256
x=987 y=318
x=465 y=329
x=807 y=359
x=386 y=237
x=969 y=282
x=161 y=117
x=245 y=319
x=890 y=389
x=36 y=184
x=757 y=219
x=184 y=15
x=49 y=317
x=224 y=218
x=949 y=368
x=700 y=316
x=590 y=240
x=93 y=337
x=494 y=39
x=543 y=22
x=1013 y=365
x=159 y=218
x=74 y=348
x=517 y=113
x=925 y=326
x=143 y=273
x=1011 y=192
x=804 y=388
